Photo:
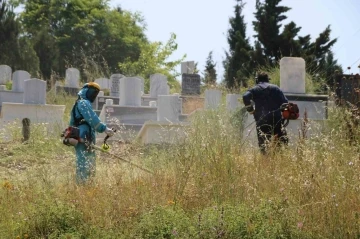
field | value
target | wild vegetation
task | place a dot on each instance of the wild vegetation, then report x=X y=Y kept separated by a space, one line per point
x=214 y=185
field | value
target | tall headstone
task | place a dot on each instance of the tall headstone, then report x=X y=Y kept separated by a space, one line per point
x=18 y=80
x=187 y=67
x=169 y=108
x=115 y=84
x=212 y=99
x=72 y=78
x=130 y=91
x=292 y=75
x=104 y=83
x=190 y=84
x=35 y=92
x=142 y=83
x=158 y=85
x=5 y=74
x=232 y=101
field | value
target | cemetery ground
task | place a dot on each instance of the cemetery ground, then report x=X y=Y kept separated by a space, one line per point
x=214 y=185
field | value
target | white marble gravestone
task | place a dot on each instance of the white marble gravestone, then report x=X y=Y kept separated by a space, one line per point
x=5 y=74
x=35 y=92
x=104 y=83
x=158 y=85
x=232 y=101
x=292 y=75
x=142 y=84
x=169 y=108
x=187 y=67
x=212 y=99
x=18 y=80
x=130 y=91
x=115 y=84
x=72 y=78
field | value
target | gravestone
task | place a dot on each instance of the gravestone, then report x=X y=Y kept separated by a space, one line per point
x=292 y=75
x=158 y=85
x=232 y=101
x=187 y=67
x=35 y=92
x=142 y=84
x=130 y=91
x=190 y=84
x=100 y=101
x=18 y=80
x=104 y=83
x=5 y=74
x=169 y=108
x=72 y=78
x=212 y=99
x=115 y=85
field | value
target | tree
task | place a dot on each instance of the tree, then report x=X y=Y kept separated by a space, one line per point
x=210 y=71
x=16 y=50
x=330 y=66
x=63 y=31
x=237 y=63
x=273 y=44
x=154 y=59
x=269 y=16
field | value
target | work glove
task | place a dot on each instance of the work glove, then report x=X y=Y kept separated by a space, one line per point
x=109 y=132
x=250 y=109
x=284 y=106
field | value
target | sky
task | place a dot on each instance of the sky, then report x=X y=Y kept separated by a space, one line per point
x=201 y=25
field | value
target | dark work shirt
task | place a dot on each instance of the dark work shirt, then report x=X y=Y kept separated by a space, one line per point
x=267 y=98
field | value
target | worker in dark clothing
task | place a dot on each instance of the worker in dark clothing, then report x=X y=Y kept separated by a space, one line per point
x=268 y=100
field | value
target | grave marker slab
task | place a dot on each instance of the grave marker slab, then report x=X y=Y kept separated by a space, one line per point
x=18 y=80
x=130 y=91
x=104 y=83
x=187 y=67
x=35 y=92
x=190 y=84
x=292 y=75
x=5 y=74
x=158 y=85
x=115 y=84
x=72 y=77
x=232 y=101
x=169 y=108
x=212 y=99
x=142 y=84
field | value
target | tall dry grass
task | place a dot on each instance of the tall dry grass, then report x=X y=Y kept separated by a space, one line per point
x=214 y=185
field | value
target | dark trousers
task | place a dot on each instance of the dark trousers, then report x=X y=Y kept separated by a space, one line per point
x=265 y=130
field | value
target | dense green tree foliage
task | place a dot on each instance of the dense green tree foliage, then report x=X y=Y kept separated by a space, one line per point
x=15 y=49
x=273 y=40
x=237 y=63
x=86 y=34
x=210 y=75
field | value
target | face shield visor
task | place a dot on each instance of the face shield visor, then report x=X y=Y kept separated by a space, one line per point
x=92 y=93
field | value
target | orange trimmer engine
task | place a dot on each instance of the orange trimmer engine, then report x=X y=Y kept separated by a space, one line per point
x=71 y=136
x=289 y=111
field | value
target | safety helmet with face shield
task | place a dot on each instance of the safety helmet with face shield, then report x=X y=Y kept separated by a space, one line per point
x=92 y=92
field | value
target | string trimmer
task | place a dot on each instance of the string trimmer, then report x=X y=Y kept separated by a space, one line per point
x=105 y=149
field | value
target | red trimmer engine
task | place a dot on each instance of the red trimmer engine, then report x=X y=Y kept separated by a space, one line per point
x=71 y=136
x=289 y=111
